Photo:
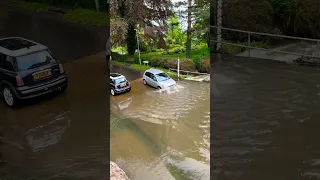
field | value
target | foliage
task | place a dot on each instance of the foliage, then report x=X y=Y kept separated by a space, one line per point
x=119 y=57
x=204 y=65
x=131 y=39
x=175 y=35
x=90 y=17
x=118 y=31
x=297 y=17
x=32 y=6
x=234 y=50
x=144 y=68
x=74 y=3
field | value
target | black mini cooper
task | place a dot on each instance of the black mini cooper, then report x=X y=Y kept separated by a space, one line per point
x=27 y=70
x=118 y=84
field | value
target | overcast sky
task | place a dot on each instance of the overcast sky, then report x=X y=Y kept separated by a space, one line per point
x=182 y=21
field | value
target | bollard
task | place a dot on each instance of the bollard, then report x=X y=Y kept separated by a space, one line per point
x=178 y=67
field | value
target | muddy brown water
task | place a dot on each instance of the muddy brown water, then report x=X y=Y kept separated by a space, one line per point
x=265 y=121
x=67 y=41
x=161 y=135
x=63 y=136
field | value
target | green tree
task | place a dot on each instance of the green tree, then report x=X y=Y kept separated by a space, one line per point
x=175 y=34
x=131 y=40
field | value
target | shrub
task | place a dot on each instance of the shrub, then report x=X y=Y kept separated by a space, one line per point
x=164 y=62
x=119 y=57
x=204 y=65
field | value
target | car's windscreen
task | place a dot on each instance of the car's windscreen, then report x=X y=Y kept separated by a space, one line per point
x=162 y=77
x=120 y=80
x=34 y=60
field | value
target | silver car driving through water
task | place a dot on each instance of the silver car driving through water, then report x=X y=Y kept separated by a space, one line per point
x=158 y=79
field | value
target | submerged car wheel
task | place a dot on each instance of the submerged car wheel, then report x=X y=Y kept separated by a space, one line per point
x=144 y=82
x=8 y=96
x=159 y=88
x=112 y=92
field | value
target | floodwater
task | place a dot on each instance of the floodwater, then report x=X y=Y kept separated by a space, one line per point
x=64 y=136
x=67 y=41
x=159 y=135
x=265 y=121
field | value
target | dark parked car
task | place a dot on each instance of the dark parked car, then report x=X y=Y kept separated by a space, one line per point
x=28 y=70
x=118 y=84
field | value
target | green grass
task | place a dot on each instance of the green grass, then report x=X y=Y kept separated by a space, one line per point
x=202 y=50
x=30 y=6
x=234 y=50
x=143 y=68
x=85 y=16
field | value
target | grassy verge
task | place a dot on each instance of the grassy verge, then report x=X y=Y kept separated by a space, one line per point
x=234 y=50
x=202 y=50
x=30 y=6
x=143 y=68
x=89 y=17
x=83 y=16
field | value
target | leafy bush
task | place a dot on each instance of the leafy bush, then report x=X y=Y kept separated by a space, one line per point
x=204 y=65
x=119 y=57
x=165 y=62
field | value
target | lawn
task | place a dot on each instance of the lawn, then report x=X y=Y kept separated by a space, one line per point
x=202 y=50
x=78 y=15
x=143 y=68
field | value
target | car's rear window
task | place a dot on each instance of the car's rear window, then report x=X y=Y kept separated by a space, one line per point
x=34 y=60
x=120 y=80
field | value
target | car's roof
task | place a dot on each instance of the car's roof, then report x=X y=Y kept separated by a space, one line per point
x=154 y=71
x=17 y=46
x=116 y=76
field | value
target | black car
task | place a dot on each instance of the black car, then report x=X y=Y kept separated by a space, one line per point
x=28 y=70
x=118 y=84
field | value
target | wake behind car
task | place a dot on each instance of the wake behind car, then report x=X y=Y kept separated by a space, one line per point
x=118 y=84
x=158 y=79
x=28 y=70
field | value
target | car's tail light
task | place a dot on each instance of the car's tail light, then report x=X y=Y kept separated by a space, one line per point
x=61 y=69
x=19 y=80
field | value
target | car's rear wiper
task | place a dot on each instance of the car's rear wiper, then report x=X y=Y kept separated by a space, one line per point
x=37 y=65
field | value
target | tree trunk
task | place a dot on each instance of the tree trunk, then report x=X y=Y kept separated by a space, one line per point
x=188 y=44
x=97 y=5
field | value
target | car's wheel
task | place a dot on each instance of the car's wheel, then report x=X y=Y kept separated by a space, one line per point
x=159 y=88
x=144 y=82
x=112 y=92
x=9 y=97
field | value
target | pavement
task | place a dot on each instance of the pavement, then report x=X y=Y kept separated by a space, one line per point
x=299 y=47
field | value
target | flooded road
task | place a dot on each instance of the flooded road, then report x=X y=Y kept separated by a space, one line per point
x=161 y=135
x=63 y=136
x=67 y=41
x=265 y=118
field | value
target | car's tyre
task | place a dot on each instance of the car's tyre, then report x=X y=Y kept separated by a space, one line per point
x=113 y=93
x=9 y=96
x=144 y=82
x=129 y=89
x=159 y=88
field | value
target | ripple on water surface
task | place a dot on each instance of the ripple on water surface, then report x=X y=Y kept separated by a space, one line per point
x=165 y=135
x=264 y=121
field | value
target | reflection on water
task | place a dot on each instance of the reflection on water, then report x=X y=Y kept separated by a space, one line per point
x=48 y=134
x=163 y=135
x=265 y=121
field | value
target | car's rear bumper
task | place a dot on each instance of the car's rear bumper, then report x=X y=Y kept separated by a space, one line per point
x=32 y=92
x=128 y=88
